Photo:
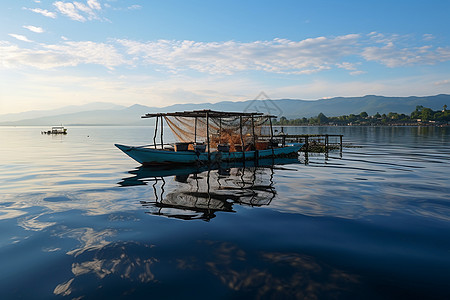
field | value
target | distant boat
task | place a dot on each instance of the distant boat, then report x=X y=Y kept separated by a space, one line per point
x=56 y=130
x=209 y=136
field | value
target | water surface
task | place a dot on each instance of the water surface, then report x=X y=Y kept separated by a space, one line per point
x=79 y=219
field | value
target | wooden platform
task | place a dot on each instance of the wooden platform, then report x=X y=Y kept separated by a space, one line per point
x=313 y=142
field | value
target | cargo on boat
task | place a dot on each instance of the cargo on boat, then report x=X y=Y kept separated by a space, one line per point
x=209 y=136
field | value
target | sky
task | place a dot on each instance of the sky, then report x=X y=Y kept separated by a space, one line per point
x=159 y=53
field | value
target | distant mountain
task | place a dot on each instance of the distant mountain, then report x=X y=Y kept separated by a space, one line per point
x=110 y=114
x=64 y=110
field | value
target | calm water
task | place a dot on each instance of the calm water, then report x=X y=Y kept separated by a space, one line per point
x=79 y=219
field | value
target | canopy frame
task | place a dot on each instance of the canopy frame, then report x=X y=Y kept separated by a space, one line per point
x=207 y=114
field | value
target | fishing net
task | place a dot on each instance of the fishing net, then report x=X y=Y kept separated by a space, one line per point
x=232 y=131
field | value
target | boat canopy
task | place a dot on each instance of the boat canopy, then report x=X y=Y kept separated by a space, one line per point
x=214 y=127
x=206 y=112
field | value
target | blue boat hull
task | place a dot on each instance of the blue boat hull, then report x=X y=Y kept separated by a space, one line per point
x=147 y=156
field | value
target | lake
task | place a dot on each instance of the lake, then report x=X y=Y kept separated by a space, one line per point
x=81 y=220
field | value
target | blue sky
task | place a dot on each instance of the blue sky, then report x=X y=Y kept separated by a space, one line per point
x=158 y=53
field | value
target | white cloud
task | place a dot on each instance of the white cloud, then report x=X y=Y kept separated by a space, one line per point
x=347 y=66
x=94 y=4
x=401 y=87
x=69 y=9
x=34 y=29
x=442 y=82
x=134 y=7
x=276 y=56
x=60 y=55
x=86 y=9
x=428 y=37
x=354 y=73
x=43 y=12
x=393 y=56
x=89 y=53
x=279 y=56
x=20 y=38
x=78 y=11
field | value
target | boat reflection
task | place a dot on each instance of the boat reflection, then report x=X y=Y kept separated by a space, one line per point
x=199 y=192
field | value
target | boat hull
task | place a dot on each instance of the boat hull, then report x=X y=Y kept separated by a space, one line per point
x=147 y=156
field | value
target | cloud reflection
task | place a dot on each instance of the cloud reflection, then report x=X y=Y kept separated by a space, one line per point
x=124 y=261
x=237 y=269
x=276 y=275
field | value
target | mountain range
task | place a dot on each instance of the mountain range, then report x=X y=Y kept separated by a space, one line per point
x=99 y=113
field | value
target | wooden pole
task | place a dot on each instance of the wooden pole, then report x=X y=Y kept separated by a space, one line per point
x=156 y=131
x=271 y=136
x=254 y=138
x=220 y=131
x=162 y=132
x=242 y=138
x=271 y=128
x=207 y=136
x=306 y=144
x=195 y=131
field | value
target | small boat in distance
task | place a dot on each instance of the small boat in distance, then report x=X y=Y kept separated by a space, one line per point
x=56 y=130
x=207 y=136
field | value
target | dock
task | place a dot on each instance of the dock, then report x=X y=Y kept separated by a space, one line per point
x=320 y=143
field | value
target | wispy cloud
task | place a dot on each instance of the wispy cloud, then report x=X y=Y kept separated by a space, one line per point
x=276 y=56
x=34 y=28
x=43 y=12
x=131 y=7
x=443 y=82
x=68 y=9
x=281 y=56
x=134 y=7
x=78 y=11
x=61 y=55
x=392 y=56
x=94 y=4
x=397 y=51
x=428 y=37
x=20 y=37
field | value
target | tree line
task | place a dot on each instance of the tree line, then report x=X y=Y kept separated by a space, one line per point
x=420 y=115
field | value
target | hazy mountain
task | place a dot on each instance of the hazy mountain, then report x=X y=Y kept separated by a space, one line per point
x=64 y=110
x=290 y=108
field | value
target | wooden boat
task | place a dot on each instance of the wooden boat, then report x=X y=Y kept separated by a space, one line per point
x=56 y=130
x=208 y=136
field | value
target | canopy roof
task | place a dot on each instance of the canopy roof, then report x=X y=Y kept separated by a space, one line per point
x=207 y=112
x=213 y=127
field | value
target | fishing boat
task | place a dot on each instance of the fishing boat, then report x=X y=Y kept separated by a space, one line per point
x=56 y=130
x=207 y=136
